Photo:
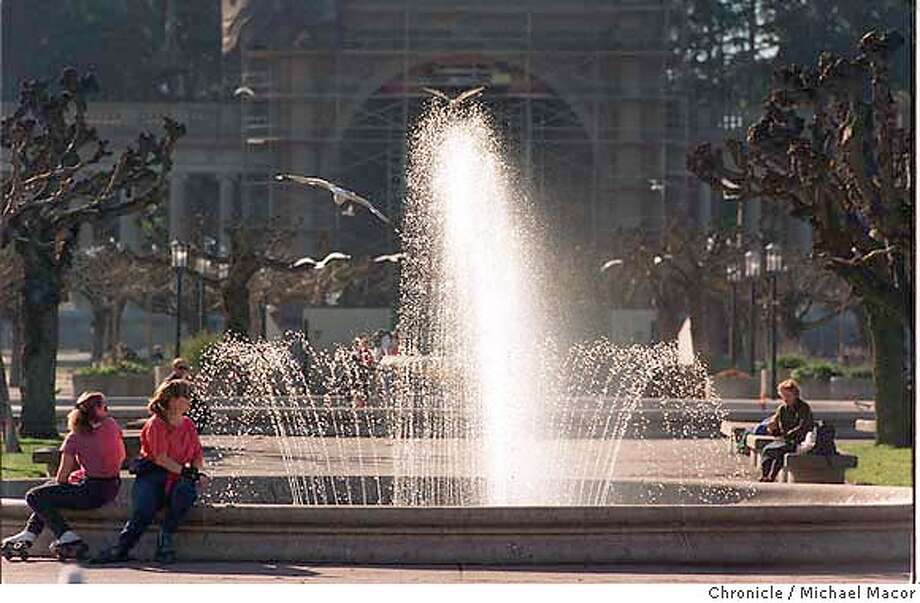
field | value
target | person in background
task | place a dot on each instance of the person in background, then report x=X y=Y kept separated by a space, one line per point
x=168 y=473
x=87 y=478
x=792 y=421
x=199 y=411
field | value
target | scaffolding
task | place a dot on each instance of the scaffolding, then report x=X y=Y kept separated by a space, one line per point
x=581 y=93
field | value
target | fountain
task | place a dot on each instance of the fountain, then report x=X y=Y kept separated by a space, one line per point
x=486 y=441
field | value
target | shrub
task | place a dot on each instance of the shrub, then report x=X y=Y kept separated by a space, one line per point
x=193 y=348
x=860 y=372
x=124 y=367
x=820 y=370
x=790 y=361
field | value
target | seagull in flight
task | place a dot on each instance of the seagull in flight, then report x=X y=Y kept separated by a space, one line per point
x=453 y=102
x=610 y=264
x=332 y=257
x=244 y=91
x=340 y=196
x=392 y=257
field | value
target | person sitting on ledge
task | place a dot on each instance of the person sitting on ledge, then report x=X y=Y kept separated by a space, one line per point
x=792 y=421
x=87 y=478
x=168 y=473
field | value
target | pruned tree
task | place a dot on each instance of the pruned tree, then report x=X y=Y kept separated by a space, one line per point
x=681 y=272
x=253 y=247
x=61 y=178
x=108 y=277
x=810 y=296
x=830 y=150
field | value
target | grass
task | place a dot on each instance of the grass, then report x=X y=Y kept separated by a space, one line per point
x=879 y=465
x=20 y=464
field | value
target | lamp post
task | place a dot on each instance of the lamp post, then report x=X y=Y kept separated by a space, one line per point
x=733 y=274
x=179 y=257
x=752 y=271
x=774 y=265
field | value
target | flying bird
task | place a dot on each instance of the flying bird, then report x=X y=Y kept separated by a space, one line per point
x=332 y=257
x=343 y=198
x=610 y=264
x=244 y=91
x=457 y=99
x=392 y=257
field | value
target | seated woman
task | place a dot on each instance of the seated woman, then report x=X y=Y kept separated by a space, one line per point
x=167 y=473
x=87 y=478
x=792 y=422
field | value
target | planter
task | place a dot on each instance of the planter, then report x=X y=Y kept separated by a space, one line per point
x=852 y=388
x=815 y=389
x=127 y=385
x=736 y=387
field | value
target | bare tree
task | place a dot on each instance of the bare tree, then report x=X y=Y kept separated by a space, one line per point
x=60 y=178
x=829 y=149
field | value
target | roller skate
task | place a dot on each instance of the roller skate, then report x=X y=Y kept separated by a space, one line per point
x=165 y=553
x=18 y=545
x=69 y=546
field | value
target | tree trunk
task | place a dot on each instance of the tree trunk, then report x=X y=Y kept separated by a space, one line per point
x=41 y=297
x=16 y=351
x=100 y=323
x=893 y=406
x=7 y=424
x=236 y=305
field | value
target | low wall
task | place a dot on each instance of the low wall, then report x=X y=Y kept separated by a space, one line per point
x=695 y=535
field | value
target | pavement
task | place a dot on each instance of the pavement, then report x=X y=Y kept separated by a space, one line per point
x=46 y=570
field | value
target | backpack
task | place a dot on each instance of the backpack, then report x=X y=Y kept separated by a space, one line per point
x=824 y=439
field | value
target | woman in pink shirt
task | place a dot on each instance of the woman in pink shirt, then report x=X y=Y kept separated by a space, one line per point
x=87 y=477
x=168 y=472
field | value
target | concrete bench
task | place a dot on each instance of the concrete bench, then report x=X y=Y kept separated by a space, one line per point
x=51 y=457
x=817 y=468
x=755 y=444
x=734 y=431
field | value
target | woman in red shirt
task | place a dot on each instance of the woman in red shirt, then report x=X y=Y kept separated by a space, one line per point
x=87 y=478
x=168 y=472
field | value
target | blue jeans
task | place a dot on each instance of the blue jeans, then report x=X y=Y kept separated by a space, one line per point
x=772 y=457
x=147 y=497
x=45 y=500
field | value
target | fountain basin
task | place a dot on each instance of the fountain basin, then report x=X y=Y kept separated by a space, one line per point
x=778 y=524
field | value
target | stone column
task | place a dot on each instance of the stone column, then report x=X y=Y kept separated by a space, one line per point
x=178 y=227
x=227 y=201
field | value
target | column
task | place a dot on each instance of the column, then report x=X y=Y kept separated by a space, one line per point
x=227 y=216
x=178 y=228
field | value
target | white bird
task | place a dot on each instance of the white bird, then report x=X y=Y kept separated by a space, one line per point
x=332 y=257
x=392 y=257
x=457 y=99
x=656 y=185
x=610 y=264
x=658 y=259
x=244 y=91
x=340 y=196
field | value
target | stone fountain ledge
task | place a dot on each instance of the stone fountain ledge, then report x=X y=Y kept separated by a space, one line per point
x=749 y=533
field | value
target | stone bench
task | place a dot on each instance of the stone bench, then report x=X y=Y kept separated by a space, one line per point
x=734 y=431
x=817 y=468
x=51 y=457
x=756 y=443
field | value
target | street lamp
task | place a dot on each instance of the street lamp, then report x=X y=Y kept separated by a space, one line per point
x=774 y=265
x=179 y=260
x=733 y=274
x=752 y=271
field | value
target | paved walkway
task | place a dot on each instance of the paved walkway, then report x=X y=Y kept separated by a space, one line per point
x=49 y=571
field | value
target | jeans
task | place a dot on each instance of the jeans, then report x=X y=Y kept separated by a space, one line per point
x=772 y=457
x=147 y=497
x=45 y=500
